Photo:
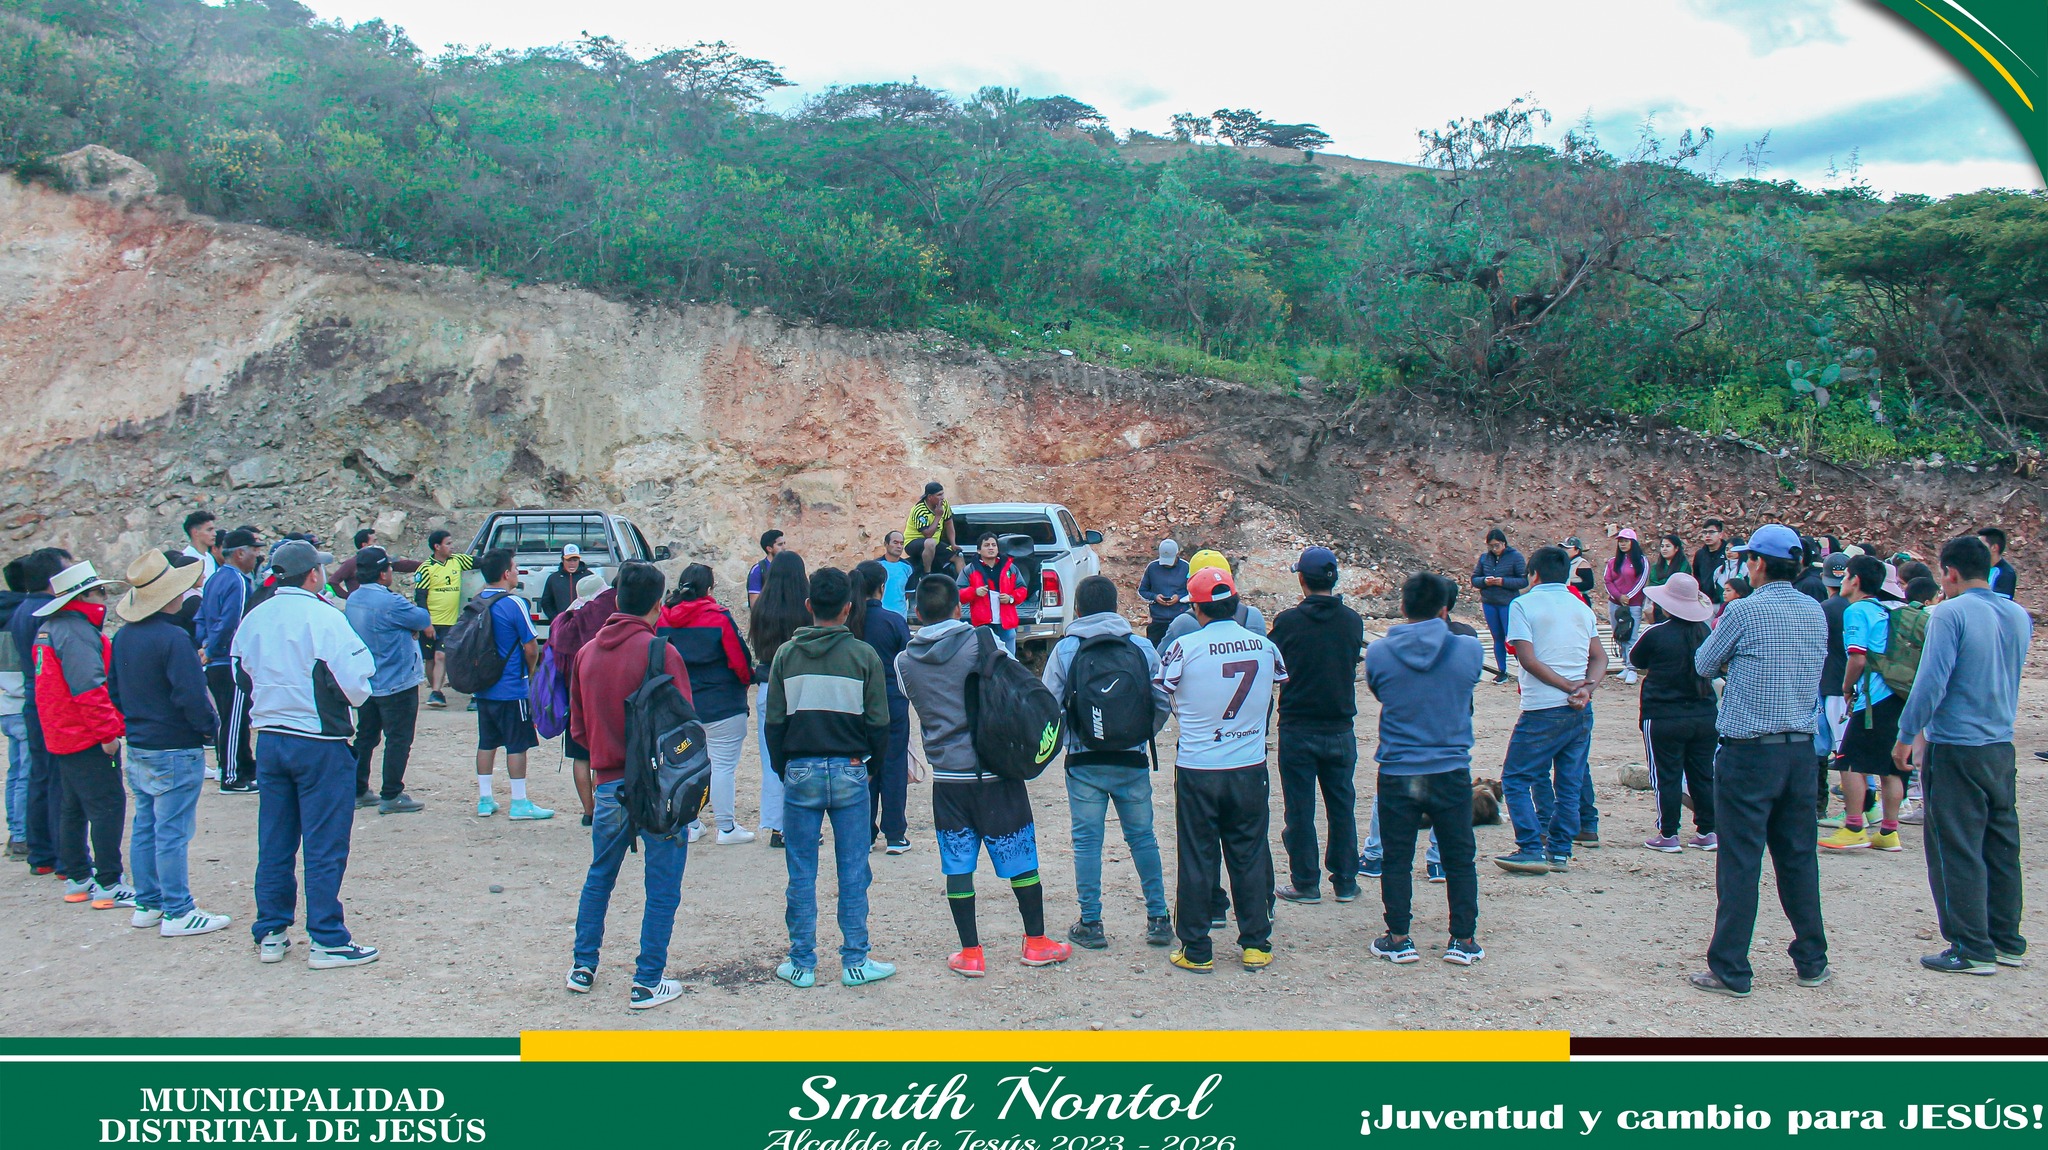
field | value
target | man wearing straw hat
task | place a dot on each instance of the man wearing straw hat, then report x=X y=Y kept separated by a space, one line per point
x=161 y=692
x=82 y=730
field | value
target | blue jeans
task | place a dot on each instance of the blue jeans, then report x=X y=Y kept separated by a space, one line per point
x=611 y=832
x=307 y=798
x=1374 y=850
x=814 y=790
x=771 y=786
x=1007 y=636
x=1090 y=790
x=16 y=729
x=1544 y=777
x=1497 y=625
x=166 y=786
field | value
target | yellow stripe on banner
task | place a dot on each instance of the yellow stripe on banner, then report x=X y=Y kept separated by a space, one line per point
x=1988 y=57
x=1045 y=1045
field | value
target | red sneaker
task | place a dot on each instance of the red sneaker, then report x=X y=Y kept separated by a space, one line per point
x=1042 y=951
x=45 y=870
x=967 y=961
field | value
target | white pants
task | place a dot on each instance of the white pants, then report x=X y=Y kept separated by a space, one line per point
x=771 y=783
x=724 y=738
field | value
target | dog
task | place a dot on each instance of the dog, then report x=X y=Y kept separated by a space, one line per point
x=1485 y=803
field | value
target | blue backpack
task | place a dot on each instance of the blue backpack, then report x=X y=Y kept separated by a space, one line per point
x=549 y=694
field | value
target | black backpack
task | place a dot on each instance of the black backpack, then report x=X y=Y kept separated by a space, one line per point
x=1017 y=724
x=668 y=760
x=474 y=663
x=1109 y=694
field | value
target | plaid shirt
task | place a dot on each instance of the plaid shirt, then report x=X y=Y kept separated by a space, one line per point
x=1772 y=644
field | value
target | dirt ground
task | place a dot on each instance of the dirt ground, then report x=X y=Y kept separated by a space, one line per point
x=1600 y=951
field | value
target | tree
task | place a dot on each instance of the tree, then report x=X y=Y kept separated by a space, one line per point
x=1242 y=126
x=1301 y=137
x=1060 y=112
x=894 y=102
x=716 y=75
x=1189 y=128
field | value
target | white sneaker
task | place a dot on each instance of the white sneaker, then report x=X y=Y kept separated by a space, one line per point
x=109 y=897
x=145 y=917
x=644 y=997
x=198 y=922
x=212 y=772
x=348 y=954
x=696 y=831
x=273 y=946
x=738 y=834
x=1629 y=676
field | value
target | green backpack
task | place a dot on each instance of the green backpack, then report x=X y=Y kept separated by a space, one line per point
x=1905 y=635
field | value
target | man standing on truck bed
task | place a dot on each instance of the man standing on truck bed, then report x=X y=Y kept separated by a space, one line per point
x=438 y=587
x=928 y=532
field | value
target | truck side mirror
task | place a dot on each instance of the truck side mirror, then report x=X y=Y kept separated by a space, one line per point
x=662 y=553
x=1091 y=537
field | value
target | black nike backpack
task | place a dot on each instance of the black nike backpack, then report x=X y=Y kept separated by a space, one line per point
x=1109 y=694
x=1017 y=724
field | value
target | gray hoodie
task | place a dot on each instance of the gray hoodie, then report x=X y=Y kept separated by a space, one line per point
x=1061 y=663
x=933 y=671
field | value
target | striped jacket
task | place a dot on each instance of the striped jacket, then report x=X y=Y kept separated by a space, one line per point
x=826 y=699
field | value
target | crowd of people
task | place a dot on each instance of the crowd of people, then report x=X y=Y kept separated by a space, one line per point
x=1769 y=663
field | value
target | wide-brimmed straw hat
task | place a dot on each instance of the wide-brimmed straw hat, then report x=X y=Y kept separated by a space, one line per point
x=69 y=584
x=153 y=584
x=1680 y=598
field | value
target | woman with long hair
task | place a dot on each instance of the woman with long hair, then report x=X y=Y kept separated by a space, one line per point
x=1678 y=710
x=1670 y=561
x=1625 y=577
x=888 y=634
x=775 y=616
x=720 y=667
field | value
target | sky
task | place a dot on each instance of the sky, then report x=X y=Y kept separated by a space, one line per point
x=1845 y=89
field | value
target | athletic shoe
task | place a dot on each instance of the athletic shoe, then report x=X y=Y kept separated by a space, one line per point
x=400 y=805
x=1500 y=680
x=1913 y=814
x=775 y=840
x=472 y=706
x=43 y=870
x=1559 y=864
x=1706 y=842
x=1667 y=844
x=1712 y=985
x=586 y=818
x=1180 y=958
x=581 y=980
x=1629 y=677
x=1885 y=841
x=198 y=922
x=1345 y=893
x=485 y=808
x=436 y=699
x=1831 y=822
x=801 y=977
x=1817 y=978
x=1088 y=934
x=738 y=834
x=1042 y=951
x=107 y=898
x=896 y=846
x=1951 y=961
x=1296 y=894
x=523 y=810
x=1435 y=871
x=273 y=946
x=210 y=773
x=1219 y=920
x=366 y=800
x=2041 y=755
x=1370 y=868
x=1463 y=951
x=348 y=954
x=1846 y=840
x=234 y=789
x=696 y=831
x=1159 y=931
x=2012 y=960
x=1401 y=953
x=967 y=962
x=648 y=997
x=1523 y=862
x=78 y=891
x=1256 y=959
x=1589 y=839
x=868 y=971
x=145 y=917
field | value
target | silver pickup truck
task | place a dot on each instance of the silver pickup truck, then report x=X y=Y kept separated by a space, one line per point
x=537 y=536
x=1052 y=549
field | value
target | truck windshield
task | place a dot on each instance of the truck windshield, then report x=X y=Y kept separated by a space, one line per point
x=537 y=534
x=968 y=528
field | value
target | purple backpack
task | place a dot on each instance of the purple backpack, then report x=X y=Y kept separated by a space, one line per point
x=549 y=694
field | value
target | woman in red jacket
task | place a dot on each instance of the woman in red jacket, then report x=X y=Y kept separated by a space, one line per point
x=991 y=588
x=83 y=728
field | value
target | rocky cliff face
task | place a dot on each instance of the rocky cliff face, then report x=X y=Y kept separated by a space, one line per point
x=152 y=361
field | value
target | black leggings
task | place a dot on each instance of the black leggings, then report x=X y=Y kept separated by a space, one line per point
x=1681 y=749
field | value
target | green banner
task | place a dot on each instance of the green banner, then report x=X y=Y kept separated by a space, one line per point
x=2004 y=44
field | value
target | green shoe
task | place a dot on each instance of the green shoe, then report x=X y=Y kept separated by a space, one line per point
x=801 y=977
x=485 y=808
x=524 y=809
x=1832 y=822
x=868 y=971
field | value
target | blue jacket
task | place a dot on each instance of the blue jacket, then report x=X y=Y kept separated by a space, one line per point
x=1160 y=580
x=222 y=603
x=1512 y=570
x=389 y=625
x=156 y=684
x=21 y=627
x=1422 y=675
x=888 y=634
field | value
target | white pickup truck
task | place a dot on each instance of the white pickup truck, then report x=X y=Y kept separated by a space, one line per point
x=537 y=536
x=1052 y=549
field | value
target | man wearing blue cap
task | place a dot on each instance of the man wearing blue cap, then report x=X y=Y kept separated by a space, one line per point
x=1771 y=644
x=1321 y=641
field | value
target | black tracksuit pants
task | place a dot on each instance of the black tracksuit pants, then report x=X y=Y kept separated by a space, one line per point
x=1682 y=751
x=1223 y=822
x=231 y=744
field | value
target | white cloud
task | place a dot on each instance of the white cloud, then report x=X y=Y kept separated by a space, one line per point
x=1370 y=73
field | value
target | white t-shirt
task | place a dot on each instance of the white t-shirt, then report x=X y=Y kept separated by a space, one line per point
x=1221 y=682
x=1551 y=619
x=207 y=563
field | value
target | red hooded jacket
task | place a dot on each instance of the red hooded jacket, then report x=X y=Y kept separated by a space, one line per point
x=981 y=608
x=72 y=657
x=609 y=668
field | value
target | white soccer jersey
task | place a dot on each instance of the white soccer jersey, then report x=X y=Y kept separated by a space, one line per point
x=1221 y=681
